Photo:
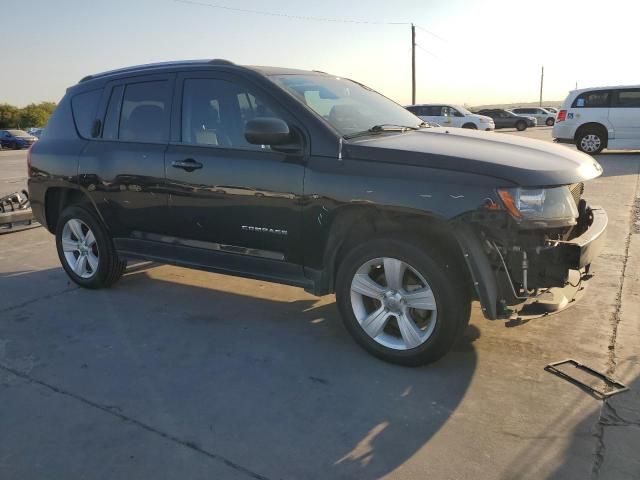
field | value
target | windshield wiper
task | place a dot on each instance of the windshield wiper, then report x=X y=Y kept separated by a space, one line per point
x=384 y=127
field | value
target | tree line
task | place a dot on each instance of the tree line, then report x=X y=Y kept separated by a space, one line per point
x=33 y=115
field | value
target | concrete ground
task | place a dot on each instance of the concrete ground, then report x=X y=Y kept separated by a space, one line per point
x=176 y=373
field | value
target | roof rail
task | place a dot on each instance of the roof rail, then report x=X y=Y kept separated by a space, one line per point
x=150 y=66
x=221 y=61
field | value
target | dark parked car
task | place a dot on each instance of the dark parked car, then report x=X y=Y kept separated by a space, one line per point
x=310 y=180
x=16 y=139
x=505 y=119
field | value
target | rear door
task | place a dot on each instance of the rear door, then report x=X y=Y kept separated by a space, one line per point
x=624 y=114
x=123 y=169
x=428 y=113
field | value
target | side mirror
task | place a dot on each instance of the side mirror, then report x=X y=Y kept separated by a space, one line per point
x=267 y=131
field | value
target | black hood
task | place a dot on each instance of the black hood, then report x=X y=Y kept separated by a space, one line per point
x=518 y=160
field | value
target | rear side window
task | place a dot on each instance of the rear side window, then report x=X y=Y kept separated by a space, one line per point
x=627 y=98
x=599 y=99
x=144 y=115
x=85 y=107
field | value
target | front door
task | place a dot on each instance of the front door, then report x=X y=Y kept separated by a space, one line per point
x=226 y=194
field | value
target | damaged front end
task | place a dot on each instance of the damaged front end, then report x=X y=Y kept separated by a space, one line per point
x=529 y=251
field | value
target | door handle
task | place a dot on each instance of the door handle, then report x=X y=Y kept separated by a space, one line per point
x=188 y=164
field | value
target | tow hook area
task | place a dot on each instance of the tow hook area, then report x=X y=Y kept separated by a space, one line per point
x=15 y=212
x=546 y=302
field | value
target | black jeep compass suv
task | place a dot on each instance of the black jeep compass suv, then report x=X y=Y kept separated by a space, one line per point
x=311 y=180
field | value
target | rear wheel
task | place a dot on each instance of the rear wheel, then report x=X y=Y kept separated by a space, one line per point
x=471 y=126
x=85 y=250
x=550 y=122
x=591 y=140
x=401 y=304
x=521 y=125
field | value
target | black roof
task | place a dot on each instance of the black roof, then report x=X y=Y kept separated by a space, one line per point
x=160 y=66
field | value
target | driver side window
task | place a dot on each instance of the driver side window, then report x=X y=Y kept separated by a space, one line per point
x=214 y=113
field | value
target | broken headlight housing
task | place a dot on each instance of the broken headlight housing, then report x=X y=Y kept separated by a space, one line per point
x=540 y=207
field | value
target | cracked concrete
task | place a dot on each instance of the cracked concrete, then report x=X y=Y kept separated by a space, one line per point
x=182 y=374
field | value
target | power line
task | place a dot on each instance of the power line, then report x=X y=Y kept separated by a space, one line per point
x=285 y=15
x=431 y=33
x=427 y=51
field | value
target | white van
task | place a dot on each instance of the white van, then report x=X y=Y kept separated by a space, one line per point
x=597 y=118
x=542 y=115
x=451 y=116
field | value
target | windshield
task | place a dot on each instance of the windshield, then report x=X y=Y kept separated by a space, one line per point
x=347 y=106
x=18 y=133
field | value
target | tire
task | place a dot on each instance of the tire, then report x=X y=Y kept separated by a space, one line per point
x=470 y=126
x=521 y=126
x=15 y=146
x=591 y=140
x=101 y=266
x=550 y=122
x=446 y=306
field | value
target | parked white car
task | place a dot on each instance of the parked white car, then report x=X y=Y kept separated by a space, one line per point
x=542 y=115
x=553 y=110
x=452 y=116
x=598 y=118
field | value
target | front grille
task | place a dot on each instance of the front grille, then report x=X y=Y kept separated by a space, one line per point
x=577 y=189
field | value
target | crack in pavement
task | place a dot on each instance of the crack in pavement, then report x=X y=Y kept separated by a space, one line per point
x=612 y=360
x=149 y=428
x=613 y=419
x=34 y=300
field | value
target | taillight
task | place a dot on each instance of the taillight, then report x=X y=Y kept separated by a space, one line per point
x=562 y=116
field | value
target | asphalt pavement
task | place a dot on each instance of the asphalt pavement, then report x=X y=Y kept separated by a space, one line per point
x=175 y=373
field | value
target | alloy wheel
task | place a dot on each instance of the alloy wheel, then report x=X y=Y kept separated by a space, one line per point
x=590 y=143
x=393 y=303
x=80 y=248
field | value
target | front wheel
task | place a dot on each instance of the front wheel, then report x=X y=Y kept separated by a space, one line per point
x=521 y=126
x=401 y=304
x=550 y=122
x=470 y=126
x=85 y=249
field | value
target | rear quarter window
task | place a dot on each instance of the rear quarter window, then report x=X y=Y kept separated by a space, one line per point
x=599 y=99
x=85 y=107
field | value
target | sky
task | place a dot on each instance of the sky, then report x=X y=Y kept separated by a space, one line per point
x=470 y=52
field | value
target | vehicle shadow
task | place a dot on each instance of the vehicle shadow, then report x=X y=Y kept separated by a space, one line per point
x=262 y=375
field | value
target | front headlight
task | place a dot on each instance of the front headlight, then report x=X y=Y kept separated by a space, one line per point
x=544 y=207
x=485 y=120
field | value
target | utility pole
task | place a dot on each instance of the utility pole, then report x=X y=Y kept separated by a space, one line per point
x=541 y=82
x=413 y=64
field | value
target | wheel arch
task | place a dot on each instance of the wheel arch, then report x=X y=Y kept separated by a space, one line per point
x=353 y=225
x=56 y=199
x=592 y=125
